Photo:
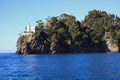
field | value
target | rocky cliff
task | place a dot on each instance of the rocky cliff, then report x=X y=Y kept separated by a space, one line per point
x=110 y=43
x=30 y=44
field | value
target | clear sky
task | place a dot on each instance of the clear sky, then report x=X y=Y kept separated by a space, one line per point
x=16 y=14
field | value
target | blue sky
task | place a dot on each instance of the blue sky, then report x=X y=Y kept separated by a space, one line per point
x=16 y=14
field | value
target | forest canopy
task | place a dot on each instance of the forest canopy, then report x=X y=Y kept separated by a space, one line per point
x=97 y=27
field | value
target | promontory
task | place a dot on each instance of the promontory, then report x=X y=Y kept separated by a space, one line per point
x=98 y=32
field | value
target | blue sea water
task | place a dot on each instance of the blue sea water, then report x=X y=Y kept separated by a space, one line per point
x=60 y=67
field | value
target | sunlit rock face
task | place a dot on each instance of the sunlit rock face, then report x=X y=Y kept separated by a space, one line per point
x=111 y=44
x=29 y=44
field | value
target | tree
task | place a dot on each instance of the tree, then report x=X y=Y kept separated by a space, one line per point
x=40 y=26
x=66 y=30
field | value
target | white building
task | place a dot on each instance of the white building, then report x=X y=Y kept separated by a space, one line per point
x=29 y=30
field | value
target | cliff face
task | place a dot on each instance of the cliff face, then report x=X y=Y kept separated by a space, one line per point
x=30 y=44
x=111 y=45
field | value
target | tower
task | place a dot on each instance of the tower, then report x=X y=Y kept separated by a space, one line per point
x=28 y=28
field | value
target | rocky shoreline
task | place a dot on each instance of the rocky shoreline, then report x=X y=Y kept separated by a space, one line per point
x=30 y=44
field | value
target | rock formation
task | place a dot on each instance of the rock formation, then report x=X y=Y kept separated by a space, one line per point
x=29 y=44
x=110 y=43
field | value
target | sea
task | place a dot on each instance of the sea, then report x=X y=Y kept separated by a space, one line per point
x=85 y=66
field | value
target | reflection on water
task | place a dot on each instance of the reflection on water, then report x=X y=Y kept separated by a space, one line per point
x=60 y=67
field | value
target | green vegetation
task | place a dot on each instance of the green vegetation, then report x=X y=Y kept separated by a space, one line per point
x=90 y=32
